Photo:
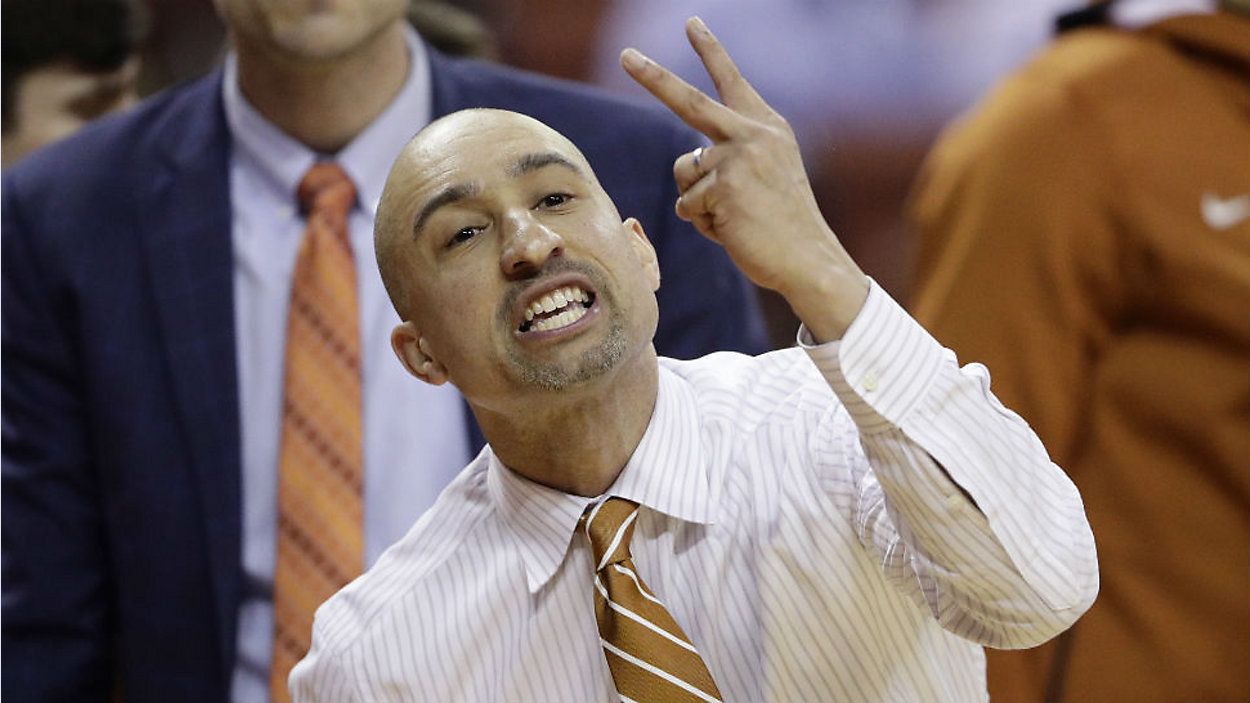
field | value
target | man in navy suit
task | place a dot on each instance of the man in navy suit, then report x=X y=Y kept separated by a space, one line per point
x=146 y=271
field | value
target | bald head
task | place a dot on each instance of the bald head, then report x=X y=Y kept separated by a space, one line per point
x=450 y=161
x=508 y=263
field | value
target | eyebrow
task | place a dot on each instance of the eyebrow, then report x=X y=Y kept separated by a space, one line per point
x=532 y=162
x=453 y=194
x=449 y=195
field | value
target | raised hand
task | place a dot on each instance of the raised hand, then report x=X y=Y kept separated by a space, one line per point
x=749 y=191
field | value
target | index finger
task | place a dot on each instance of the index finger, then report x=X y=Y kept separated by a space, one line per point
x=692 y=105
x=736 y=92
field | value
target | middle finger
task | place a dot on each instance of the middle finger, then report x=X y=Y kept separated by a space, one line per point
x=693 y=106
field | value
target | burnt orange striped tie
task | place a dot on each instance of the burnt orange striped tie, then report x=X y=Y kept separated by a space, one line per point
x=320 y=532
x=651 y=658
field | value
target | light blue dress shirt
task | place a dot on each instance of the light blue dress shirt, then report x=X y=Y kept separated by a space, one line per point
x=415 y=438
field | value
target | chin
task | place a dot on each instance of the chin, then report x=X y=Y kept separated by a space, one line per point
x=318 y=39
x=331 y=34
x=590 y=365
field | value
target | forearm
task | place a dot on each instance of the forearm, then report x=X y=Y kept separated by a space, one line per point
x=1010 y=568
x=914 y=409
x=956 y=494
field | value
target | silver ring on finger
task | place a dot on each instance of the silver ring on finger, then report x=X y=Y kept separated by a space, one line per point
x=698 y=156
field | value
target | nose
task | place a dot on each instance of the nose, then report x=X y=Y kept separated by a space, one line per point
x=528 y=244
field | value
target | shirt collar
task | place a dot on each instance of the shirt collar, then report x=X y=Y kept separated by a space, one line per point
x=668 y=472
x=283 y=161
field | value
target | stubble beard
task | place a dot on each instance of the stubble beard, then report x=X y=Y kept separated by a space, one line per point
x=593 y=362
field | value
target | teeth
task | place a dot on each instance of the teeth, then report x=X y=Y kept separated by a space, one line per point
x=564 y=319
x=555 y=300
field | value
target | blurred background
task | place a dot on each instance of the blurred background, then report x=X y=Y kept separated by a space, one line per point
x=1141 y=394
x=867 y=84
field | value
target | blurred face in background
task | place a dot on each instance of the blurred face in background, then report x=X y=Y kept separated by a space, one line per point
x=55 y=100
x=308 y=30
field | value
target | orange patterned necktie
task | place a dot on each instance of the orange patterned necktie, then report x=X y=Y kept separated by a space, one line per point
x=650 y=657
x=320 y=530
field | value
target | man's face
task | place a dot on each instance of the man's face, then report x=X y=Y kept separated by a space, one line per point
x=308 y=30
x=56 y=100
x=521 y=275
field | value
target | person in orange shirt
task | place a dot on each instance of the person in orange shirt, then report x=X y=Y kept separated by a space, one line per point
x=1097 y=208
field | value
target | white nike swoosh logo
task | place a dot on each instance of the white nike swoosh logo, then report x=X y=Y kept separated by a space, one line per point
x=1223 y=213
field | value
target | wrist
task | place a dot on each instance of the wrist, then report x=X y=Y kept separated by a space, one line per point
x=829 y=302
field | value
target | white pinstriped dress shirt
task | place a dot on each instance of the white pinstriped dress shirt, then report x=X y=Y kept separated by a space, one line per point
x=802 y=518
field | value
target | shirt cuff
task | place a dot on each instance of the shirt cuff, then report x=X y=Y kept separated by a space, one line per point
x=882 y=367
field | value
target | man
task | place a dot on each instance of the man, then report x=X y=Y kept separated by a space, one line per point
x=66 y=62
x=1097 y=209
x=158 y=431
x=848 y=521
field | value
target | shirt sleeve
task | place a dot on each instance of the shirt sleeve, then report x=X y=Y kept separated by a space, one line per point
x=955 y=494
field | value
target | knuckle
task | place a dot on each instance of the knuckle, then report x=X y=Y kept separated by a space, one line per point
x=753 y=131
x=684 y=165
x=681 y=206
x=782 y=127
x=757 y=149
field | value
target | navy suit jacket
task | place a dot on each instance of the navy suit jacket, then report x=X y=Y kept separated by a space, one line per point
x=121 y=447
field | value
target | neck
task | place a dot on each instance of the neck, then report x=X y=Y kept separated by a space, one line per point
x=577 y=441
x=326 y=104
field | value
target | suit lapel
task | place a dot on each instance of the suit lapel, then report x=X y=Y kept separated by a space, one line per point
x=187 y=237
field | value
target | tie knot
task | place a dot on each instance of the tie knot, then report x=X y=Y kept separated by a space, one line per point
x=326 y=190
x=609 y=525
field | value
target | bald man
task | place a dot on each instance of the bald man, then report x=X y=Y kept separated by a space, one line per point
x=156 y=408
x=849 y=520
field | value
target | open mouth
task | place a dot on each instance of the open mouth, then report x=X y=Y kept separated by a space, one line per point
x=558 y=308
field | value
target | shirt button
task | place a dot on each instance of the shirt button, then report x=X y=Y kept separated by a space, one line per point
x=870 y=381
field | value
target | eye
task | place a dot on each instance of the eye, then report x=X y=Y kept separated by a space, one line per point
x=554 y=200
x=463 y=235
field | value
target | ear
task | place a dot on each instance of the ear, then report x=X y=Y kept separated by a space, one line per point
x=643 y=249
x=414 y=353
